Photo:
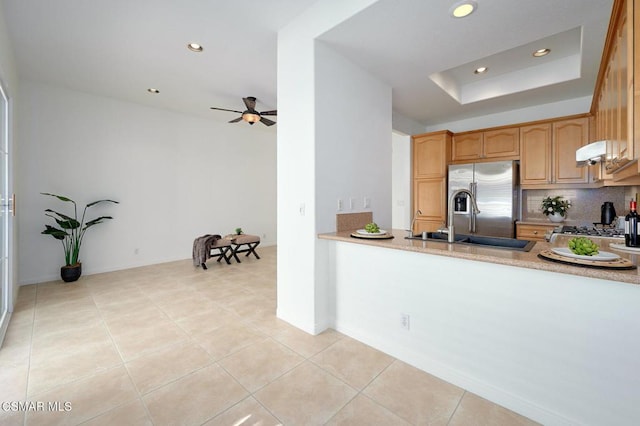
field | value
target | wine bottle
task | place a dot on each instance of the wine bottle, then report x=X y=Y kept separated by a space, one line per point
x=631 y=231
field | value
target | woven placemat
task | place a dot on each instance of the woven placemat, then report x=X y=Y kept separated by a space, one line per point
x=620 y=263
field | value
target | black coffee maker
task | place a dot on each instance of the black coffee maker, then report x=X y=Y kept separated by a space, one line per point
x=607 y=213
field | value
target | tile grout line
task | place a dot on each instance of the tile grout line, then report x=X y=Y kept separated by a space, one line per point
x=453 y=413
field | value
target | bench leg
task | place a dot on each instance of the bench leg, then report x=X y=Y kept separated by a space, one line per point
x=235 y=255
x=252 y=248
x=225 y=254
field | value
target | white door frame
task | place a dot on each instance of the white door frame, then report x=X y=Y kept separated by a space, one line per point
x=7 y=208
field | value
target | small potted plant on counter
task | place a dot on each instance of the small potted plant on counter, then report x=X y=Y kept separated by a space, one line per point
x=71 y=233
x=555 y=208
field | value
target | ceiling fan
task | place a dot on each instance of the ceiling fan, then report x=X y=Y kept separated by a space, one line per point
x=251 y=115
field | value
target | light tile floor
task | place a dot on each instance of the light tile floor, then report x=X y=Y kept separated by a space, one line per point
x=171 y=344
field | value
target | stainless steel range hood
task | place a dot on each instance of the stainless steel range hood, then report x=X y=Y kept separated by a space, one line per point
x=590 y=154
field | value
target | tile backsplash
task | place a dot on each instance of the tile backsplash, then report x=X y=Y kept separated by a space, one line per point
x=585 y=203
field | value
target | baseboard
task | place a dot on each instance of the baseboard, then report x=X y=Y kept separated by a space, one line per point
x=460 y=379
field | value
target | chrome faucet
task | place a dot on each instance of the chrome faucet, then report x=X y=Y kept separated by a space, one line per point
x=413 y=221
x=450 y=231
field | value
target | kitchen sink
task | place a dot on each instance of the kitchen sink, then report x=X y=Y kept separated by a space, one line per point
x=479 y=240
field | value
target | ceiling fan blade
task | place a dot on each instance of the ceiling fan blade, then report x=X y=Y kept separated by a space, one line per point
x=250 y=103
x=266 y=121
x=274 y=112
x=235 y=120
x=223 y=109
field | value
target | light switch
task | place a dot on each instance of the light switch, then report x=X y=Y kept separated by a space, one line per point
x=302 y=209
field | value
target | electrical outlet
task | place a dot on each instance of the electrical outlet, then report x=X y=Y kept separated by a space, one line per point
x=351 y=203
x=404 y=321
x=340 y=206
x=367 y=202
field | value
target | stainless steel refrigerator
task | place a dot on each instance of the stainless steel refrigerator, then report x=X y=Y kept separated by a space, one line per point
x=495 y=187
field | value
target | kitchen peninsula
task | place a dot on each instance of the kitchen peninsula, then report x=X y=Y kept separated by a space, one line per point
x=554 y=342
x=492 y=255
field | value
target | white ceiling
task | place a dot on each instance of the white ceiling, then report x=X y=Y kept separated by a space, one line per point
x=119 y=48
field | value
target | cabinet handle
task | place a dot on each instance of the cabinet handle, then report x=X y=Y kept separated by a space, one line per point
x=535 y=232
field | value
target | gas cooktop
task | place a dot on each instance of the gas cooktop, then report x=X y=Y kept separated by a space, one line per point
x=594 y=231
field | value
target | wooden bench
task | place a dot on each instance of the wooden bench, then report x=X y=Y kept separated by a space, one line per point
x=244 y=243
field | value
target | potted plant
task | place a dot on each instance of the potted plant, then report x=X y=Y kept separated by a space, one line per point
x=71 y=234
x=555 y=208
x=238 y=231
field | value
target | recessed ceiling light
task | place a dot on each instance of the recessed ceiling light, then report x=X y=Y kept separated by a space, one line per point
x=480 y=70
x=194 y=47
x=152 y=90
x=541 y=52
x=463 y=8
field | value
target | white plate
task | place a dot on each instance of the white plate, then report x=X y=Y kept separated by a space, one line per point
x=566 y=251
x=622 y=247
x=364 y=232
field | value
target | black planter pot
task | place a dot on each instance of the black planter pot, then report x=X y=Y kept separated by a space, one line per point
x=71 y=273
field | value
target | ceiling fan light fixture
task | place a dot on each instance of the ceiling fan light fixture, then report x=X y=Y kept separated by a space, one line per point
x=462 y=9
x=541 y=52
x=195 y=47
x=250 y=117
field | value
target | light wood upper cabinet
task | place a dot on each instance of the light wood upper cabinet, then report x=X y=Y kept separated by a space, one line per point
x=616 y=99
x=430 y=155
x=467 y=146
x=568 y=136
x=490 y=144
x=535 y=154
x=502 y=143
x=548 y=153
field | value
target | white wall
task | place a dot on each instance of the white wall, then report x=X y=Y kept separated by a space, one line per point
x=556 y=348
x=407 y=126
x=176 y=177
x=353 y=141
x=401 y=181
x=301 y=284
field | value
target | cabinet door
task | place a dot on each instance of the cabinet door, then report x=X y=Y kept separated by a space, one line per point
x=430 y=156
x=568 y=136
x=467 y=146
x=429 y=197
x=535 y=154
x=501 y=143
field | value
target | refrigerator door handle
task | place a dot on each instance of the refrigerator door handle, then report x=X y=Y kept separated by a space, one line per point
x=473 y=187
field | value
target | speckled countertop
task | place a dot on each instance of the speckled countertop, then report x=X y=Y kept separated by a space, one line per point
x=482 y=254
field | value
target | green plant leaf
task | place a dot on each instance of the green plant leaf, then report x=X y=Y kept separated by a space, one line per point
x=96 y=221
x=56 y=233
x=59 y=197
x=65 y=221
x=102 y=201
